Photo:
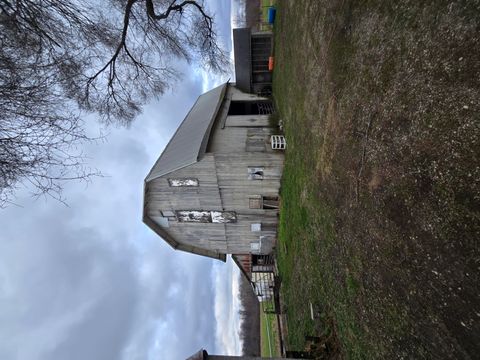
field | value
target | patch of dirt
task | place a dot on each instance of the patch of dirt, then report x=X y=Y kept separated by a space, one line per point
x=331 y=135
x=376 y=181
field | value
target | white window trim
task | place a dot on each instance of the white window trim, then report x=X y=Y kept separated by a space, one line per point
x=255 y=227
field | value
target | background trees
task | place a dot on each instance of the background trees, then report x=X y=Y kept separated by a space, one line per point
x=250 y=315
x=58 y=57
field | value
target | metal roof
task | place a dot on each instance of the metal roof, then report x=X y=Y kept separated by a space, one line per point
x=189 y=141
x=241 y=49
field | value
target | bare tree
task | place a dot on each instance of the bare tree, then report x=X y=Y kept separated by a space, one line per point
x=60 y=57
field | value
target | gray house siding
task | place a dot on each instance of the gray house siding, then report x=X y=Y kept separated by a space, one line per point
x=237 y=190
x=163 y=198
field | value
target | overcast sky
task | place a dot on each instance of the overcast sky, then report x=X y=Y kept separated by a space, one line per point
x=91 y=281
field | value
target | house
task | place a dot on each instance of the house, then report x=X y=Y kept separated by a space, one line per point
x=214 y=189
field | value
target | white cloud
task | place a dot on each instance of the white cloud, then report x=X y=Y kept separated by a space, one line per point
x=91 y=281
x=227 y=307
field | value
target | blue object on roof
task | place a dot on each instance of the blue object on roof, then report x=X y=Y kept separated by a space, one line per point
x=271 y=14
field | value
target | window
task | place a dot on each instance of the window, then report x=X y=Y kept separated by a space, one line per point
x=168 y=213
x=270 y=202
x=194 y=216
x=162 y=221
x=183 y=182
x=256 y=227
x=259 y=260
x=254 y=246
x=263 y=202
x=256 y=140
x=200 y=216
x=255 y=173
x=224 y=216
x=269 y=227
x=265 y=108
x=255 y=202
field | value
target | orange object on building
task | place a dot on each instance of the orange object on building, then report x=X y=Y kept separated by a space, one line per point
x=270 y=63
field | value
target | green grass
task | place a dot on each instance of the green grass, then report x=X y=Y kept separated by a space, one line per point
x=307 y=237
x=269 y=335
x=265 y=4
x=381 y=121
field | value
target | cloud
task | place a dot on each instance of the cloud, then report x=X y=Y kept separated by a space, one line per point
x=227 y=308
x=91 y=281
x=237 y=13
x=60 y=279
x=77 y=294
x=176 y=316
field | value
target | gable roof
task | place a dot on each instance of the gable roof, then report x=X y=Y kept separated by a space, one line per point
x=190 y=140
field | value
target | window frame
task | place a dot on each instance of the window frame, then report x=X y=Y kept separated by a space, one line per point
x=205 y=216
x=256 y=172
x=183 y=182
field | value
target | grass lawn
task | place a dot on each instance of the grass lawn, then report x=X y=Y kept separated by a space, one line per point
x=380 y=224
x=265 y=4
x=269 y=336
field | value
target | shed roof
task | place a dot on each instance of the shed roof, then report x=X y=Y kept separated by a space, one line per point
x=241 y=49
x=190 y=140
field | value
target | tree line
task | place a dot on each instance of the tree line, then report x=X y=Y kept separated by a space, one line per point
x=250 y=319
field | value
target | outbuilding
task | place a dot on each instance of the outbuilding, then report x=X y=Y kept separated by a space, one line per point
x=214 y=189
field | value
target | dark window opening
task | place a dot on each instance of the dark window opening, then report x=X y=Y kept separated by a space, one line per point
x=270 y=202
x=260 y=260
x=261 y=49
x=269 y=227
x=255 y=173
x=263 y=202
x=250 y=108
